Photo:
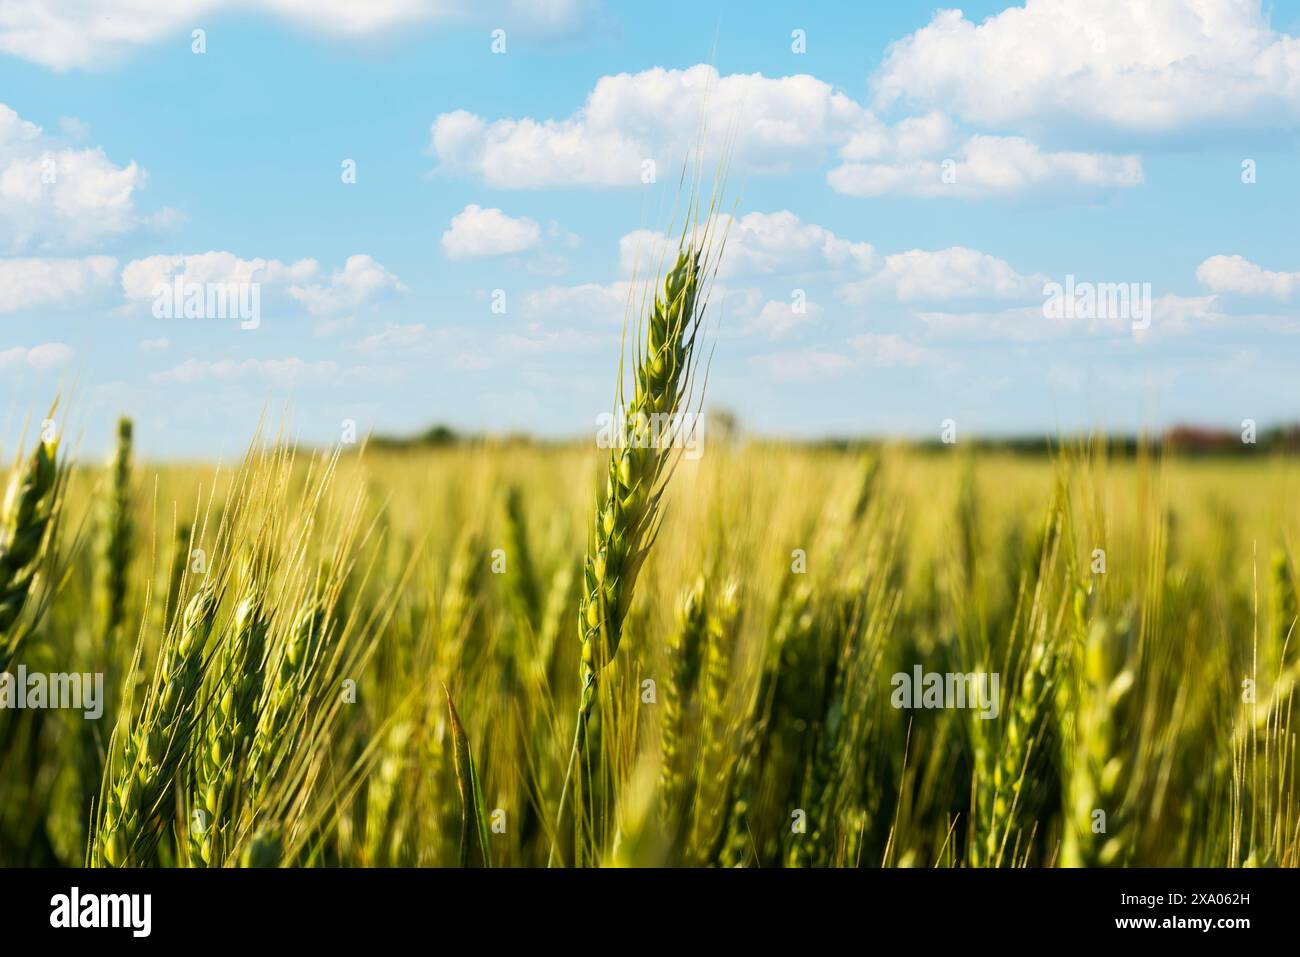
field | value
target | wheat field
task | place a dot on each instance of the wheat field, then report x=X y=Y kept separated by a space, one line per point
x=374 y=657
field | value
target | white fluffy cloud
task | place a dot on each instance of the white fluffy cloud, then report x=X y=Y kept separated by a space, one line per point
x=781 y=247
x=360 y=282
x=1147 y=68
x=1238 y=275
x=54 y=283
x=772 y=125
x=68 y=34
x=141 y=276
x=778 y=124
x=758 y=244
x=55 y=197
x=50 y=355
x=945 y=274
x=986 y=166
x=911 y=138
x=476 y=231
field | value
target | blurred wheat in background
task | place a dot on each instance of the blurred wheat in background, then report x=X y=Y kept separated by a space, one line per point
x=276 y=642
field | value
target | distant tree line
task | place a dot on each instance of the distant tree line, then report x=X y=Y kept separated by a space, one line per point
x=1191 y=440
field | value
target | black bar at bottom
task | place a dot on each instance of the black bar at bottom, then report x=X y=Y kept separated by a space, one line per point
x=336 y=907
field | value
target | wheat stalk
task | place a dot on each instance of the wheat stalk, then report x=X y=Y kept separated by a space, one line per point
x=636 y=475
x=103 y=641
x=626 y=515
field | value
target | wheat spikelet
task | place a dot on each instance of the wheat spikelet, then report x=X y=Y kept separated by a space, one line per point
x=1009 y=766
x=383 y=809
x=1283 y=601
x=556 y=620
x=684 y=649
x=637 y=471
x=140 y=777
x=832 y=734
x=868 y=479
x=636 y=475
x=115 y=542
x=711 y=804
x=288 y=692
x=113 y=560
x=1097 y=766
x=459 y=610
x=625 y=520
x=29 y=505
x=176 y=573
x=221 y=761
x=522 y=570
x=737 y=846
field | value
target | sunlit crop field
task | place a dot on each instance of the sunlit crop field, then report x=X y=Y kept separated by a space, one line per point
x=374 y=657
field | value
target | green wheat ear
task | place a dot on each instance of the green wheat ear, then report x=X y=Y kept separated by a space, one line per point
x=626 y=515
x=1283 y=600
x=24 y=519
x=684 y=667
x=301 y=657
x=222 y=761
x=638 y=468
x=141 y=776
x=115 y=534
x=1098 y=767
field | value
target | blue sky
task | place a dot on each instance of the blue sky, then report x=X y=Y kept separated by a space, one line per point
x=916 y=177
